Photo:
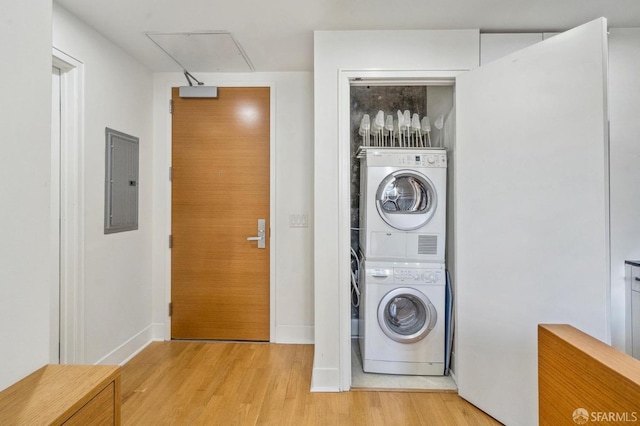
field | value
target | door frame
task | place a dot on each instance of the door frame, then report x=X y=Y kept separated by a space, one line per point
x=345 y=78
x=56 y=217
x=71 y=196
x=211 y=81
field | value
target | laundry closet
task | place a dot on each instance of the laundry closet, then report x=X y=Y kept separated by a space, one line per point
x=528 y=194
x=401 y=295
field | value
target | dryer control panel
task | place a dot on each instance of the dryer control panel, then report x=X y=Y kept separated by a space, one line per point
x=418 y=276
x=423 y=160
x=407 y=157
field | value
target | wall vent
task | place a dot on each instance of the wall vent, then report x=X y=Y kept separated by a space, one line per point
x=428 y=244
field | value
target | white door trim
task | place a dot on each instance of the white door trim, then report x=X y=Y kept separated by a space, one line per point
x=71 y=165
x=272 y=199
x=54 y=302
x=345 y=77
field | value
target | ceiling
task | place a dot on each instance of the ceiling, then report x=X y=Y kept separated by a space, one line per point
x=277 y=35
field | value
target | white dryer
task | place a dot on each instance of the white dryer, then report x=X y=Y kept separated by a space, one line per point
x=402 y=313
x=403 y=194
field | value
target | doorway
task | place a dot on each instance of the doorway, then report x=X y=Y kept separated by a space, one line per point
x=431 y=100
x=67 y=211
x=346 y=81
x=220 y=220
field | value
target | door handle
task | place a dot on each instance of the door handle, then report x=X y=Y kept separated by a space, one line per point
x=262 y=223
x=380 y=273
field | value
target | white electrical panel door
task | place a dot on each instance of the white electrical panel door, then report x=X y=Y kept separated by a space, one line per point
x=531 y=213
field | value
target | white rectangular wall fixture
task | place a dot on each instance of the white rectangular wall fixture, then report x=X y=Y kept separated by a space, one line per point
x=210 y=92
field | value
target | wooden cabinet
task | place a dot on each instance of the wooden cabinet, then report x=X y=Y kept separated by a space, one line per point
x=64 y=395
x=576 y=371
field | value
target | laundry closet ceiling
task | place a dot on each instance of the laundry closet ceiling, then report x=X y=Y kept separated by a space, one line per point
x=277 y=35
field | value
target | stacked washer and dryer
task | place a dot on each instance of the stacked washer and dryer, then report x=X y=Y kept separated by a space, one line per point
x=402 y=277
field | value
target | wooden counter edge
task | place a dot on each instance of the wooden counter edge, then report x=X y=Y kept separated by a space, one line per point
x=27 y=387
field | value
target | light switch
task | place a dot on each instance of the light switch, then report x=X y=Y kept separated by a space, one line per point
x=299 y=220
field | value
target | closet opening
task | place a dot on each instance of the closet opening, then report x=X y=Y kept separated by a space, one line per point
x=401 y=140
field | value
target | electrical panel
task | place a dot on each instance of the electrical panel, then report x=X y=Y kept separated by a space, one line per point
x=121 y=182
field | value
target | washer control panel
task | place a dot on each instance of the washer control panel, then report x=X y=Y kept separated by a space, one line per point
x=418 y=276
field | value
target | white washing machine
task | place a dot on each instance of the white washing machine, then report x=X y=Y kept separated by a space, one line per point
x=402 y=313
x=403 y=197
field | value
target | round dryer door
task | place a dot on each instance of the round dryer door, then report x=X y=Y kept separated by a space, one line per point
x=406 y=315
x=406 y=200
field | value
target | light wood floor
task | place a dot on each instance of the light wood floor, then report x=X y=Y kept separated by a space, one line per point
x=201 y=383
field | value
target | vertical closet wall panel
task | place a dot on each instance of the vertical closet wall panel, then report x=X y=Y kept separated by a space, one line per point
x=531 y=213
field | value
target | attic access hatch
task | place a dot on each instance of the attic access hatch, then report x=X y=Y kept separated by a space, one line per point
x=207 y=51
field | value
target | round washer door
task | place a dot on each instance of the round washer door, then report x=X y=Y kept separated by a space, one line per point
x=406 y=200
x=406 y=315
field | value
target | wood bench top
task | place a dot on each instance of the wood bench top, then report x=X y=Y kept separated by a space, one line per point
x=53 y=393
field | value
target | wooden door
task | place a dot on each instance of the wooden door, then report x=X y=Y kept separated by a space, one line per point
x=220 y=188
x=531 y=213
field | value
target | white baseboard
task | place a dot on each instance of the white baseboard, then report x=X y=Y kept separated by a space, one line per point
x=325 y=380
x=452 y=365
x=157 y=332
x=133 y=346
x=453 y=376
x=294 y=334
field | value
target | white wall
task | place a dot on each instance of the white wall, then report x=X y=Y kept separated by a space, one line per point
x=293 y=183
x=624 y=104
x=356 y=50
x=117 y=276
x=25 y=117
x=495 y=46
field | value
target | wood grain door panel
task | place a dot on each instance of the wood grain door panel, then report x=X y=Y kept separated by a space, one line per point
x=220 y=188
